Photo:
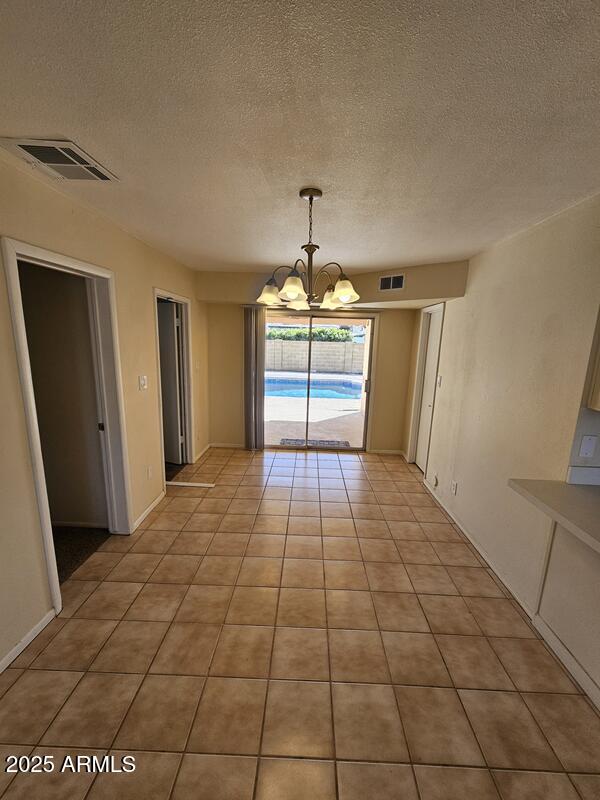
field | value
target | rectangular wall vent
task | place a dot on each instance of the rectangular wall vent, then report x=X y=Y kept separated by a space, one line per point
x=58 y=158
x=388 y=282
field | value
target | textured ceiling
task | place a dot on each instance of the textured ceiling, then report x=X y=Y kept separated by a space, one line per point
x=433 y=128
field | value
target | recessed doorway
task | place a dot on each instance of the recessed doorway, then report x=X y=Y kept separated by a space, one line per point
x=317 y=381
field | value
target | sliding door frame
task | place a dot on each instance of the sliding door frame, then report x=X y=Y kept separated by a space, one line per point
x=370 y=377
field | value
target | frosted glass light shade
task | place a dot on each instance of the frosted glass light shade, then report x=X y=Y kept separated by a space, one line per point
x=345 y=292
x=329 y=302
x=299 y=305
x=270 y=294
x=293 y=288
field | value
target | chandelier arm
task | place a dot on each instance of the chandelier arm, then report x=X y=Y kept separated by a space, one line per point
x=322 y=271
x=333 y=264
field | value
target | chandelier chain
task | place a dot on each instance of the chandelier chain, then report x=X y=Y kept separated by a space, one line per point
x=310 y=205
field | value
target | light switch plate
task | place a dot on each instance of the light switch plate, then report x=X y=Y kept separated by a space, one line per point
x=588 y=446
x=142 y=382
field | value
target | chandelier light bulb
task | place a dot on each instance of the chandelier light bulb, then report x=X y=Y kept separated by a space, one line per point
x=345 y=292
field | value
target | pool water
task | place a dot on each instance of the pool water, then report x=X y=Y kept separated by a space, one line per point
x=334 y=389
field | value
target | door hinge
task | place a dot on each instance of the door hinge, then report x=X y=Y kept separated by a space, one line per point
x=100 y=426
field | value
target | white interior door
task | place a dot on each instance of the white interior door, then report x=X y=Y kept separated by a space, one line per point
x=168 y=338
x=429 y=381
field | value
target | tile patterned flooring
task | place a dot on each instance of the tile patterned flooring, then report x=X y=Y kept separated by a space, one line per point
x=313 y=628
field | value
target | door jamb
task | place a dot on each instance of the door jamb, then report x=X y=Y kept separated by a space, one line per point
x=106 y=340
x=415 y=418
x=189 y=455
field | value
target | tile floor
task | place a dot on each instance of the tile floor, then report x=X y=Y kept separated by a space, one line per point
x=313 y=628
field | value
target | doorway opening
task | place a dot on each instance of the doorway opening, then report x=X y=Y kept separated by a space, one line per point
x=64 y=324
x=317 y=381
x=173 y=321
x=429 y=355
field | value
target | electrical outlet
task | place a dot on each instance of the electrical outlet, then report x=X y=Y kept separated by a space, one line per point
x=588 y=446
x=454 y=487
x=149 y=472
x=142 y=382
x=439 y=381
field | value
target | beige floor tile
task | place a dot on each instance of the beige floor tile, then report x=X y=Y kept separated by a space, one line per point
x=270 y=524
x=39 y=643
x=243 y=651
x=131 y=647
x=498 y=617
x=534 y=786
x=414 y=659
x=345 y=575
x=92 y=714
x=417 y=552
x=436 y=727
x=8 y=677
x=191 y=543
x=361 y=495
x=430 y=579
x=31 y=703
x=161 y=714
x=134 y=567
x=96 y=567
x=358 y=781
x=300 y=654
x=303 y=608
x=170 y=521
x=188 y=504
x=331 y=496
x=218 y=570
x=531 y=666
x=280 y=508
x=295 y=779
x=430 y=515
x=475 y=582
x=157 y=601
x=154 y=542
x=439 y=531
x=388 y=577
x=283 y=493
x=506 y=731
x=110 y=600
x=398 y=611
x=55 y=785
x=76 y=645
x=244 y=506
x=304 y=508
x=366 y=511
x=304 y=547
x=472 y=663
x=338 y=526
x=266 y=545
x=336 y=510
x=455 y=783
x=302 y=573
x=372 y=529
x=342 y=548
x=205 y=604
x=237 y=523
x=571 y=726
x=208 y=777
x=155 y=770
x=398 y=513
x=588 y=786
x=252 y=605
x=298 y=720
x=186 y=649
x=176 y=569
x=379 y=550
x=456 y=554
x=304 y=527
x=357 y=656
x=203 y=522
x=367 y=724
x=214 y=505
x=260 y=571
x=228 y=544
x=74 y=593
x=447 y=614
x=350 y=609
x=229 y=718
x=408 y=531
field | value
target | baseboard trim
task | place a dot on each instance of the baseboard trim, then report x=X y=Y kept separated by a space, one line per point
x=60 y=524
x=27 y=639
x=387 y=452
x=199 y=455
x=528 y=610
x=587 y=683
x=225 y=444
x=145 y=513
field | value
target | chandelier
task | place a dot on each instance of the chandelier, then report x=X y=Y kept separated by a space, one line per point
x=299 y=291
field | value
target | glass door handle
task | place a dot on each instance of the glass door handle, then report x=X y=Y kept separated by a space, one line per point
x=368 y=385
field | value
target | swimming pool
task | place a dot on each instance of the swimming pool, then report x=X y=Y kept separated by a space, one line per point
x=342 y=388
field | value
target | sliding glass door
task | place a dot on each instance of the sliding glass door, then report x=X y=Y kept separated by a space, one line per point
x=316 y=380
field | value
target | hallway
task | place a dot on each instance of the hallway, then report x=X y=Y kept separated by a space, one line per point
x=312 y=628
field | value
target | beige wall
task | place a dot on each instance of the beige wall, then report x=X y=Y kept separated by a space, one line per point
x=33 y=212
x=60 y=351
x=226 y=369
x=513 y=362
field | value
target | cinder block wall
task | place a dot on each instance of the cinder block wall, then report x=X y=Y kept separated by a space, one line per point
x=290 y=356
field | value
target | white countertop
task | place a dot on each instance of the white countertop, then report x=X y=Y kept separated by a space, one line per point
x=575 y=507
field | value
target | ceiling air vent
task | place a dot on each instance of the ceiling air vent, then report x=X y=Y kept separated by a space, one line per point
x=58 y=158
x=388 y=282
